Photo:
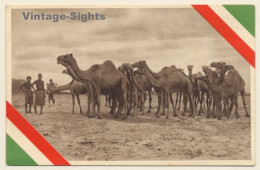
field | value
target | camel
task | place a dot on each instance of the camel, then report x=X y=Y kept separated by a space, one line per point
x=234 y=76
x=226 y=88
x=214 y=79
x=199 y=89
x=132 y=90
x=171 y=83
x=104 y=78
x=141 y=83
x=76 y=88
x=160 y=93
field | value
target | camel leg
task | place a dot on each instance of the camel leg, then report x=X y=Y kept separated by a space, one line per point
x=201 y=101
x=164 y=102
x=230 y=109
x=100 y=116
x=142 y=103
x=124 y=99
x=226 y=103
x=109 y=101
x=209 y=97
x=159 y=95
x=180 y=101
x=73 y=102
x=150 y=101
x=168 y=106
x=77 y=95
x=185 y=102
x=106 y=98
x=192 y=107
x=219 y=108
x=161 y=103
x=176 y=100
x=244 y=102
x=88 y=96
x=173 y=107
x=114 y=105
x=236 y=107
x=119 y=109
x=93 y=101
x=136 y=101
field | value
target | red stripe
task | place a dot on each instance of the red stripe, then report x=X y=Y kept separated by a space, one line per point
x=34 y=136
x=226 y=32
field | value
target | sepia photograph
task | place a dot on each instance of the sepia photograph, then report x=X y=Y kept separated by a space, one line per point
x=131 y=85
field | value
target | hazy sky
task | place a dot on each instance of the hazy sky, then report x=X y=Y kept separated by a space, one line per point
x=162 y=37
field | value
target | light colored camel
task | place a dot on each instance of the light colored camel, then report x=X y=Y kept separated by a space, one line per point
x=78 y=87
x=160 y=92
x=171 y=83
x=104 y=78
x=75 y=88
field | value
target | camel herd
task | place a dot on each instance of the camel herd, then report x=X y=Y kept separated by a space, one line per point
x=126 y=88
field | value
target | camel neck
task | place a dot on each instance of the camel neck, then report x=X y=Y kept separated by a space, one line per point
x=155 y=75
x=131 y=74
x=81 y=75
x=211 y=86
x=190 y=75
x=151 y=78
x=62 y=87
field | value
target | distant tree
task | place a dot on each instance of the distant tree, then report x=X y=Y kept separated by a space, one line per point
x=16 y=83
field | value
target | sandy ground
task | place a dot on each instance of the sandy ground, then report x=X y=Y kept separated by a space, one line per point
x=144 y=137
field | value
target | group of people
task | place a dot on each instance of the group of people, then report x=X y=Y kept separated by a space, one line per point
x=28 y=89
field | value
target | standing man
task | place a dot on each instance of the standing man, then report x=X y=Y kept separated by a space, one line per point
x=28 y=94
x=50 y=87
x=39 y=93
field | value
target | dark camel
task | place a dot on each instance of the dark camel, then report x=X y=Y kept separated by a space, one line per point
x=171 y=83
x=234 y=76
x=213 y=79
x=132 y=90
x=225 y=89
x=104 y=78
x=142 y=84
x=199 y=89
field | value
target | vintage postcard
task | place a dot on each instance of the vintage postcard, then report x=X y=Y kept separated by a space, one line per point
x=130 y=85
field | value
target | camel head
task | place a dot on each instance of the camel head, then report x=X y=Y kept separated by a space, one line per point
x=217 y=65
x=127 y=66
x=139 y=64
x=190 y=67
x=226 y=68
x=121 y=68
x=205 y=69
x=180 y=70
x=66 y=60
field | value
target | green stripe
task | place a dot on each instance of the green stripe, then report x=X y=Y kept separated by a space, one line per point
x=15 y=155
x=245 y=14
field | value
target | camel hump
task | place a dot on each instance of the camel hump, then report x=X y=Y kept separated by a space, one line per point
x=235 y=77
x=108 y=63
